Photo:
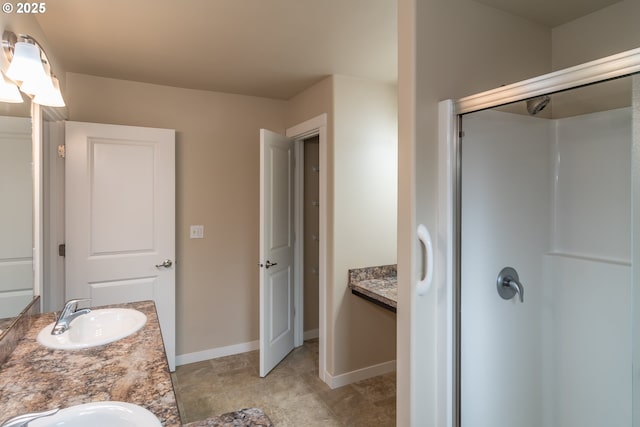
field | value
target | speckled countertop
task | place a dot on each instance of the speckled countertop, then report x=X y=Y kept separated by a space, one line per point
x=133 y=369
x=245 y=417
x=377 y=284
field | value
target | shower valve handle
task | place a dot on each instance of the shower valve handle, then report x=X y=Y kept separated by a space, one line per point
x=508 y=284
x=516 y=286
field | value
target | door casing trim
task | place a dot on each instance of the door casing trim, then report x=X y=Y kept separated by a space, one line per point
x=312 y=127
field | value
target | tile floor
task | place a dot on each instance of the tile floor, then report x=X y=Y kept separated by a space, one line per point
x=292 y=395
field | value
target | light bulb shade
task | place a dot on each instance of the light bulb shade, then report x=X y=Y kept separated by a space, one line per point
x=31 y=87
x=51 y=95
x=26 y=57
x=26 y=67
x=9 y=92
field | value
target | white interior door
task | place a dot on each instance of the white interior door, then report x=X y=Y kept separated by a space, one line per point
x=16 y=215
x=276 y=249
x=120 y=218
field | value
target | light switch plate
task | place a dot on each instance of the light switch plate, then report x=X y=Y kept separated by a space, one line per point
x=196 y=232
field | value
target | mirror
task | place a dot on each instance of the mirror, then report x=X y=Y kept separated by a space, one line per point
x=16 y=216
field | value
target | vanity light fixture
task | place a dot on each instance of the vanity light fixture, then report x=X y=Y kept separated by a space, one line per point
x=51 y=95
x=30 y=69
x=26 y=65
x=8 y=91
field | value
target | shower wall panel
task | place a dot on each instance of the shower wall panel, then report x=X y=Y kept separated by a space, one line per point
x=550 y=198
x=589 y=343
x=505 y=222
x=588 y=274
x=592 y=176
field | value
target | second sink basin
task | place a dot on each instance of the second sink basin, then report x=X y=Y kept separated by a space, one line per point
x=96 y=328
x=100 y=414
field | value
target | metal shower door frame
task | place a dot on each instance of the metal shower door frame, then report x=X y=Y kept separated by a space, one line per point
x=449 y=200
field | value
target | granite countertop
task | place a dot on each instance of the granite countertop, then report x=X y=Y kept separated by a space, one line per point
x=376 y=284
x=245 y=417
x=133 y=369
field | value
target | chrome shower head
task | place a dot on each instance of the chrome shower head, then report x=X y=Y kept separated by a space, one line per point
x=535 y=105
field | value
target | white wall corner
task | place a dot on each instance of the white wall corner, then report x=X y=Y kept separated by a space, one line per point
x=360 y=374
x=311 y=334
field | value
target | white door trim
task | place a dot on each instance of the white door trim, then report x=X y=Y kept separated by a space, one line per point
x=447 y=129
x=315 y=126
x=53 y=292
x=298 y=247
x=38 y=209
x=610 y=67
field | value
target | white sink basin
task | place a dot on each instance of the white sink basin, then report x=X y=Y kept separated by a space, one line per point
x=95 y=328
x=100 y=414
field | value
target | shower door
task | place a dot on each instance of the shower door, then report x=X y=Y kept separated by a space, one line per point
x=545 y=259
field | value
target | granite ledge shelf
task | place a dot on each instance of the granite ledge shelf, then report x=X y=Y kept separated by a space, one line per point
x=376 y=284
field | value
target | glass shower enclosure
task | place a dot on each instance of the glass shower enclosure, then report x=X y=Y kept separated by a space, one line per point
x=546 y=233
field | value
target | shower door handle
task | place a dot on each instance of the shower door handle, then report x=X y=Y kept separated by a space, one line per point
x=508 y=284
x=424 y=284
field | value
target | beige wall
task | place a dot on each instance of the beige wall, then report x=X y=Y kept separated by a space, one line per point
x=217 y=184
x=365 y=217
x=362 y=192
x=216 y=145
x=447 y=49
x=599 y=34
x=312 y=102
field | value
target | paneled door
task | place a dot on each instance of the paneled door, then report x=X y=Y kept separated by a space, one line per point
x=120 y=218
x=276 y=249
x=16 y=216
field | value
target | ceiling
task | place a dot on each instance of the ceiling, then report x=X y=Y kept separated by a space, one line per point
x=269 y=48
x=550 y=13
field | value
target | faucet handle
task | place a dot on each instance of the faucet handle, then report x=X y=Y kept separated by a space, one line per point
x=72 y=304
x=24 y=419
x=69 y=312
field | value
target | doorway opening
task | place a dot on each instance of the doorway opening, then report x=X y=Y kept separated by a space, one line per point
x=310 y=235
x=314 y=129
x=282 y=236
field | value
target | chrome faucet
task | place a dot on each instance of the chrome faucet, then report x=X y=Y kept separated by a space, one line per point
x=68 y=313
x=25 y=419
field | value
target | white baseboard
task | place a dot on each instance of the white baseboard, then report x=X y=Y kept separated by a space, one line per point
x=309 y=335
x=332 y=381
x=360 y=374
x=214 y=353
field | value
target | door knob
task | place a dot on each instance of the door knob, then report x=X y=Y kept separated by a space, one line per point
x=166 y=264
x=270 y=264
